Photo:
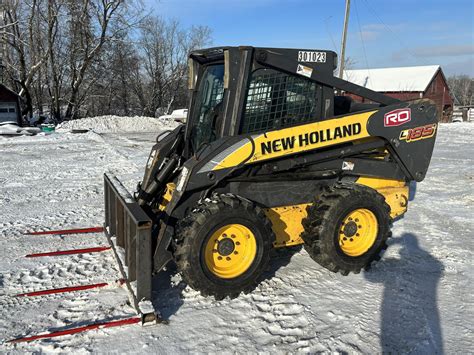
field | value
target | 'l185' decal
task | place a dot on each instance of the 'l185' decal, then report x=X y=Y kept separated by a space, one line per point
x=414 y=134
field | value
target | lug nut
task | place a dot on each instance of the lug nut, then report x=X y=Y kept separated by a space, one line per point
x=219 y=257
x=236 y=252
x=237 y=243
x=228 y=258
x=232 y=236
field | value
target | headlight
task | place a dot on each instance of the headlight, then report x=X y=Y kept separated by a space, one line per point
x=182 y=179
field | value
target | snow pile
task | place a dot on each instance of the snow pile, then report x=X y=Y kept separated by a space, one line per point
x=117 y=124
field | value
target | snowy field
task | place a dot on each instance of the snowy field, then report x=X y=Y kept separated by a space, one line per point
x=418 y=299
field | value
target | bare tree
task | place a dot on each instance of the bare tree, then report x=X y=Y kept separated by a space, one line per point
x=26 y=25
x=349 y=64
x=462 y=87
x=113 y=92
x=164 y=48
x=70 y=58
x=86 y=42
x=56 y=66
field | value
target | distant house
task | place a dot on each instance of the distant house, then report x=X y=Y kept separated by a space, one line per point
x=407 y=83
x=9 y=106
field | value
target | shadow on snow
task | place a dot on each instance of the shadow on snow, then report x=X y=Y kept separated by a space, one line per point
x=409 y=313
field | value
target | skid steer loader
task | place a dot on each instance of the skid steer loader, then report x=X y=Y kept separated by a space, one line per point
x=269 y=157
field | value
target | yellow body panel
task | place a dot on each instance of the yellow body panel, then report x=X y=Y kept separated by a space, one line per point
x=167 y=195
x=395 y=192
x=286 y=223
x=299 y=139
x=286 y=220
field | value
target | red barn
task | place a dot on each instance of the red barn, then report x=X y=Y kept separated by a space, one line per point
x=407 y=83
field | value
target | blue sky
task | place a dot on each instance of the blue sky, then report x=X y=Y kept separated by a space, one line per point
x=381 y=33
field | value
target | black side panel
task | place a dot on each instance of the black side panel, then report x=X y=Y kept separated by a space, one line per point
x=278 y=193
x=411 y=139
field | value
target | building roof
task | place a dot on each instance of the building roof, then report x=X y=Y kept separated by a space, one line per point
x=3 y=87
x=403 y=79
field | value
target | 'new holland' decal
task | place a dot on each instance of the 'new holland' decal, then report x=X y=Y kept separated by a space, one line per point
x=292 y=140
x=305 y=139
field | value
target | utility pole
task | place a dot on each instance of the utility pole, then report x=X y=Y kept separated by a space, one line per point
x=344 y=37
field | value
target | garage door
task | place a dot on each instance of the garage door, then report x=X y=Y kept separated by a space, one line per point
x=8 y=112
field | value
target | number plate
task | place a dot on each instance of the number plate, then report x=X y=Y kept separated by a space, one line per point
x=313 y=57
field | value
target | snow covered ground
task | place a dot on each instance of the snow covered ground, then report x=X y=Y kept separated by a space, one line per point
x=418 y=299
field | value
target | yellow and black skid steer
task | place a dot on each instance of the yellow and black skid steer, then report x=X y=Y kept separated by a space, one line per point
x=270 y=157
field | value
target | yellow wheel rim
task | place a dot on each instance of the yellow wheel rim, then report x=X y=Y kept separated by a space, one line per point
x=230 y=251
x=357 y=232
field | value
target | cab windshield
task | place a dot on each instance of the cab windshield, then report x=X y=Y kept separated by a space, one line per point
x=208 y=104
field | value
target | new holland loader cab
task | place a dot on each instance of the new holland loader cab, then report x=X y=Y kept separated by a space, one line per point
x=269 y=157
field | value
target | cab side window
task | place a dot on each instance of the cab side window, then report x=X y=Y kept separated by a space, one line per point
x=276 y=100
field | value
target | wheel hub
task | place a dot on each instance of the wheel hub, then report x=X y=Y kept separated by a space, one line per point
x=350 y=229
x=225 y=247
x=230 y=251
x=358 y=232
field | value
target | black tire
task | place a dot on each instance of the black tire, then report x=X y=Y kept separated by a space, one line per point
x=192 y=236
x=324 y=220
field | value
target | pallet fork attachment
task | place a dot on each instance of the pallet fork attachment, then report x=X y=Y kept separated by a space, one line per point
x=128 y=229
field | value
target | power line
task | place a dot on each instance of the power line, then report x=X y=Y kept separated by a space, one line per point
x=362 y=40
x=326 y=20
x=387 y=27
